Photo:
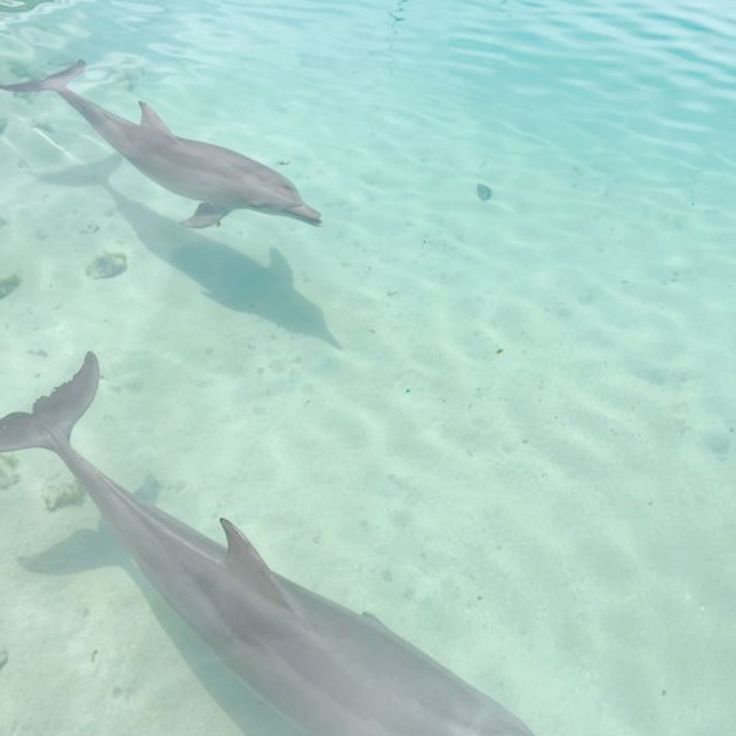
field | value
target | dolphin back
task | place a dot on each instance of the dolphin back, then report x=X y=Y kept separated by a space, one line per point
x=50 y=424
x=55 y=82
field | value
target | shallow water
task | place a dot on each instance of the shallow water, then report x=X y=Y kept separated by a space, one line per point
x=504 y=425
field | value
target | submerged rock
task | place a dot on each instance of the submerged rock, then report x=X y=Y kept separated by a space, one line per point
x=8 y=476
x=63 y=494
x=3 y=657
x=107 y=265
x=484 y=193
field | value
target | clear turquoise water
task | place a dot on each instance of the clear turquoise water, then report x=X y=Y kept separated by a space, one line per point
x=506 y=427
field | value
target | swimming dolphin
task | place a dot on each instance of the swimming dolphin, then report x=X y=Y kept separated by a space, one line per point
x=220 y=179
x=330 y=671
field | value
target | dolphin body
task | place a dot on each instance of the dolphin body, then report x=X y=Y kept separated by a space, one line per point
x=220 y=179
x=330 y=671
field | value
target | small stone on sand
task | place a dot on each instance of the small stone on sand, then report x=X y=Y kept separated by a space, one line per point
x=8 y=476
x=107 y=265
x=484 y=192
x=63 y=494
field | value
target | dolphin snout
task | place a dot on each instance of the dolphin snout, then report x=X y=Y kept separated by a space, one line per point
x=307 y=213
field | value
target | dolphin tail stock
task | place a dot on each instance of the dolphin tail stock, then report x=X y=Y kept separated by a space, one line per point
x=50 y=424
x=55 y=82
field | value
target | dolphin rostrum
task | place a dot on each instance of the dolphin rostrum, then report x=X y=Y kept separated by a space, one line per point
x=330 y=671
x=220 y=179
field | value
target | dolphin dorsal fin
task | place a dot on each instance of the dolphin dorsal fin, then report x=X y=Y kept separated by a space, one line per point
x=151 y=119
x=242 y=556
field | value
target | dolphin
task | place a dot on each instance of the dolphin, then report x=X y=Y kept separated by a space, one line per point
x=220 y=179
x=329 y=671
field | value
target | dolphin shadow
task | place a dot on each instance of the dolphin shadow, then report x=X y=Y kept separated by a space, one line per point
x=86 y=550
x=228 y=276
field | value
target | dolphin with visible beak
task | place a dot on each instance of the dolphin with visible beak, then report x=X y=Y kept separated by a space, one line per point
x=220 y=179
x=330 y=671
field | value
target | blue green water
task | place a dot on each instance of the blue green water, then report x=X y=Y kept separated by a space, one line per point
x=504 y=425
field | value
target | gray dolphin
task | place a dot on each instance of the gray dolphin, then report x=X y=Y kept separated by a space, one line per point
x=330 y=671
x=220 y=179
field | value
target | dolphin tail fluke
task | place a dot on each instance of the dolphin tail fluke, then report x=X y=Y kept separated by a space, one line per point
x=56 y=82
x=50 y=423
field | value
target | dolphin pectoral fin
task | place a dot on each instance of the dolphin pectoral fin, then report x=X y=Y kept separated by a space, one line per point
x=151 y=119
x=206 y=215
x=242 y=555
x=374 y=621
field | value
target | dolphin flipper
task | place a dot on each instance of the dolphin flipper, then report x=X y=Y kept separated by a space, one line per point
x=206 y=215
